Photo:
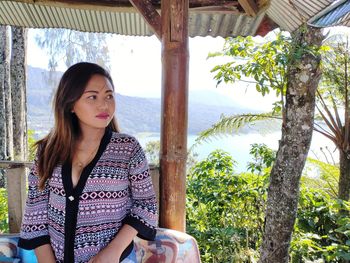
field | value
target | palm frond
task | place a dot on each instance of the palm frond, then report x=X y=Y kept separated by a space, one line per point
x=228 y=125
x=328 y=175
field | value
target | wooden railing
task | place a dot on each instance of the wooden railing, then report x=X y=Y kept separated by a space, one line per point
x=16 y=189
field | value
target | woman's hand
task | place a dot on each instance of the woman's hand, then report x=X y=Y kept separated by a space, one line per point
x=44 y=254
x=106 y=255
x=112 y=252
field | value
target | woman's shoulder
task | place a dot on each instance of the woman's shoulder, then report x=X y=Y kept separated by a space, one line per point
x=123 y=137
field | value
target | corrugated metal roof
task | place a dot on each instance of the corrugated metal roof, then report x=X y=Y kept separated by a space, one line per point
x=340 y=15
x=43 y=16
x=290 y=14
x=127 y=22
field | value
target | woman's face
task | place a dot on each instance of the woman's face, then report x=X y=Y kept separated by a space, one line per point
x=95 y=108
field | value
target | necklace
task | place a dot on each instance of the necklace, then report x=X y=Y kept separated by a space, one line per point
x=81 y=164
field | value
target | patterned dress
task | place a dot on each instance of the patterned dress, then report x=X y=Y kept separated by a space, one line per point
x=115 y=188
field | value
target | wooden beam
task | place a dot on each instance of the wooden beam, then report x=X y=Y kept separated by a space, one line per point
x=249 y=6
x=150 y=14
x=173 y=152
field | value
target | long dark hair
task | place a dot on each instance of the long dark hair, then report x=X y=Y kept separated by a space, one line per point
x=58 y=146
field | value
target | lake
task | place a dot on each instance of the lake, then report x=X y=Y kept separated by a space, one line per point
x=239 y=146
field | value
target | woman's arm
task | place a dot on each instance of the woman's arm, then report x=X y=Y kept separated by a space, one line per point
x=112 y=253
x=44 y=254
x=34 y=229
x=143 y=214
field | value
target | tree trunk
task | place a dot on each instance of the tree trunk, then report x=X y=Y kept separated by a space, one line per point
x=6 y=130
x=344 y=178
x=283 y=193
x=2 y=93
x=18 y=84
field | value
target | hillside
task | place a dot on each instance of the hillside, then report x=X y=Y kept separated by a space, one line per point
x=134 y=114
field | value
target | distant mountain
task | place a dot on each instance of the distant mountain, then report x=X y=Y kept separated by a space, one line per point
x=134 y=114
x=211 y=97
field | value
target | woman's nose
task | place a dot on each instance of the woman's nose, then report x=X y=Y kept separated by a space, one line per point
x=103 y=104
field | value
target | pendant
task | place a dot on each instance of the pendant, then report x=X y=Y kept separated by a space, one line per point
x=71 y=198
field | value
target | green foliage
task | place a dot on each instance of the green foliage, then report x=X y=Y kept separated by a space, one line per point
x=230 y=124
x=327 y=176
x=265 y=65
x=335 y=64
x=210 y=214
x=263 y=158
x=152 y=149
x=322 y=229
x=4 y=228
x=225 y=209
x=264 y=62
x=31 y=146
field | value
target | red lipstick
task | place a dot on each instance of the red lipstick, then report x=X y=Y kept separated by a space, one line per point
x=103 y=115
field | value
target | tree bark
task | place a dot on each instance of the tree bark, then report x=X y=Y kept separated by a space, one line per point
x=6 y=129
x=283 y=193
x=344 y=178
x=2 y=93
x=18 y=90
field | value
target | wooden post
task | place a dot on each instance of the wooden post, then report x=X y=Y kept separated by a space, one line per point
x=16 y=189
x=173 y=152
x=155 y=180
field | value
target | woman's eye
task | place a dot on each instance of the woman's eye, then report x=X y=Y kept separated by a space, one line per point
x=109 y=97
x=93 y=97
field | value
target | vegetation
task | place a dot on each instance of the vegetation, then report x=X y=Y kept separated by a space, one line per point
x=265 y=65
x=334 y=107
x=31 y=147
x=225 y=212
x=3 y=211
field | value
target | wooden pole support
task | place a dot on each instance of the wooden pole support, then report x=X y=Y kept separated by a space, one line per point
x=173 y=152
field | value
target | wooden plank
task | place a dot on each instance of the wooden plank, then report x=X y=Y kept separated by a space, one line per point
x=150 y=14
x=249 y=6
x=173 y=152
x=16 y=190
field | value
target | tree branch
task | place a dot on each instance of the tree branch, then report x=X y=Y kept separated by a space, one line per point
x=326 y=134
x=329 y=124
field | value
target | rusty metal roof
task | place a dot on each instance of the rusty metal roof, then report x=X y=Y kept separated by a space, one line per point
x=288 y=14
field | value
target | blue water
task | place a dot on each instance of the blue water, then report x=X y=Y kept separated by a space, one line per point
x=239 y=145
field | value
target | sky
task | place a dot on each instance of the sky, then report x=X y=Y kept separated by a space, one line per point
x=136 y=68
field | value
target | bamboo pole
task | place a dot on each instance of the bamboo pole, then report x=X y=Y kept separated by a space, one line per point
x=173 y=153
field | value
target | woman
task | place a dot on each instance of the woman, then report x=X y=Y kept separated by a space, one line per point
x=90 y=191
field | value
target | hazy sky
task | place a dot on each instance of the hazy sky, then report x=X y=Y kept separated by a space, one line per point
x=136 y=68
